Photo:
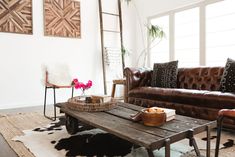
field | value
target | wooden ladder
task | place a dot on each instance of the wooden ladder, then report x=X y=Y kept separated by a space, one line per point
x=102 y=30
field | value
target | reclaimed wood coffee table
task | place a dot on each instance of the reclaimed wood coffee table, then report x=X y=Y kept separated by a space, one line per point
x=117 y=122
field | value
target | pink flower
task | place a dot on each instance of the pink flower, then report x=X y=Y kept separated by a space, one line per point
x=75 y=80
x=81 y=85
x=87 y=86
x=77 y=86
x=89 y=83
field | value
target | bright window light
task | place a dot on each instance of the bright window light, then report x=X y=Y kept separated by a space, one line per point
x=220 y=32
x=159 y=50
x=187 y=37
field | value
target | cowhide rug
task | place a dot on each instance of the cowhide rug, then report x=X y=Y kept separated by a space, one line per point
x=54 y=141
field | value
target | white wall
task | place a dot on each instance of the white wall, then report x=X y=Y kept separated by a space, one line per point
x=21 y=57
x=150 y=8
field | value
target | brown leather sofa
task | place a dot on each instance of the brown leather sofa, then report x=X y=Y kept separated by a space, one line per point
x=197 y=93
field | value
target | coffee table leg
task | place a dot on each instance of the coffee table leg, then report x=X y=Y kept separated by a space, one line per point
x=192 y=142
x=150 y=153
x=167 y=148
x=208 y=144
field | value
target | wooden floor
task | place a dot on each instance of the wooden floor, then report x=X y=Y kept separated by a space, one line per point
x=5 y=149
x=38 y=109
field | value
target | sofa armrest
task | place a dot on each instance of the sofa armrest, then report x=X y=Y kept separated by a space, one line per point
x=137 y=77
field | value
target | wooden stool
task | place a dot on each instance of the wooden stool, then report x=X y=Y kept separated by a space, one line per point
x=119 y=82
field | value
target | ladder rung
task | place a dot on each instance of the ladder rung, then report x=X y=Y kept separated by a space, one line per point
x=111 y=31
x=110 y=14
x=112 y=48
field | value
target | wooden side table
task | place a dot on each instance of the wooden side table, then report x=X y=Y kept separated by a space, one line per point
x=119 y=82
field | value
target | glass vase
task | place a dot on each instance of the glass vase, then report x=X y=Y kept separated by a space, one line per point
x=83 y=94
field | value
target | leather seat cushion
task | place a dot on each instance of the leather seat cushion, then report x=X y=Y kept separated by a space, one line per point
x=204 y=98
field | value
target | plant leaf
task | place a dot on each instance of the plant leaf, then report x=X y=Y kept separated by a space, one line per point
x=127 y=1
x=155 y=31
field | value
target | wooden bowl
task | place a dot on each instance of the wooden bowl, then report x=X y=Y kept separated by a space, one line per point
x=153 y=119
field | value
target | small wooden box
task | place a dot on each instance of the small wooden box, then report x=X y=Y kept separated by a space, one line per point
x=100 y=98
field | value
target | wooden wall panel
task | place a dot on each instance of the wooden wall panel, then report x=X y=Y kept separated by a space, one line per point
x=62 y=18
x=16 y=16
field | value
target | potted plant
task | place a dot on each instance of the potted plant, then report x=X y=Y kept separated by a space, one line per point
x=153 y=31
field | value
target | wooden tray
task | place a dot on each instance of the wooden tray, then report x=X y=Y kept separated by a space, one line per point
x=77 y=104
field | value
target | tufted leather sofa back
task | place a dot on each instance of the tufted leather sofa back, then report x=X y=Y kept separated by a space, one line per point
x=200 y=78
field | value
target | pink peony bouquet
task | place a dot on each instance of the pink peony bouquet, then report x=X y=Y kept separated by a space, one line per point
x=81 y=85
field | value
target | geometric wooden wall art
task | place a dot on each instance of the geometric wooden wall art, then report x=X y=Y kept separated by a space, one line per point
x=16 y=16
x=62 y=18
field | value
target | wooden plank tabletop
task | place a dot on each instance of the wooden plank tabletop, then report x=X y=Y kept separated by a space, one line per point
x=117 y=121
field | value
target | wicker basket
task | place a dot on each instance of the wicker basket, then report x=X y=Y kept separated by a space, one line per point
x=153 y=119
x=77 y=104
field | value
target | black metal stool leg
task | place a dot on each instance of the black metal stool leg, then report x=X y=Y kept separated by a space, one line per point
x=208 y=141
x=54 y=104
x=45 y=97
x=219 y=129
x=45 y=101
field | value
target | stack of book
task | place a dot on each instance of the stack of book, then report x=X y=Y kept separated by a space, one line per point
x=100 y=98
x=170 y=113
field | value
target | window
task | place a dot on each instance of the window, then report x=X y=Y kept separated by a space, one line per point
x=220 y=32
x=201 y=34
x=187 y=37
x=159 y=50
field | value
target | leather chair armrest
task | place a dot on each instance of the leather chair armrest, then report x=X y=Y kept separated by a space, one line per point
x=227 y=113
x=137 y=77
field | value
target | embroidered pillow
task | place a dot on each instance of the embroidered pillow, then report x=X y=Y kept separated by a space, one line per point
x=227 y=83
x=165 y=75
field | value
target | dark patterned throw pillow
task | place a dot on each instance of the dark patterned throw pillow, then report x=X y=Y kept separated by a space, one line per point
x=165 y=75
x=227 y=83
